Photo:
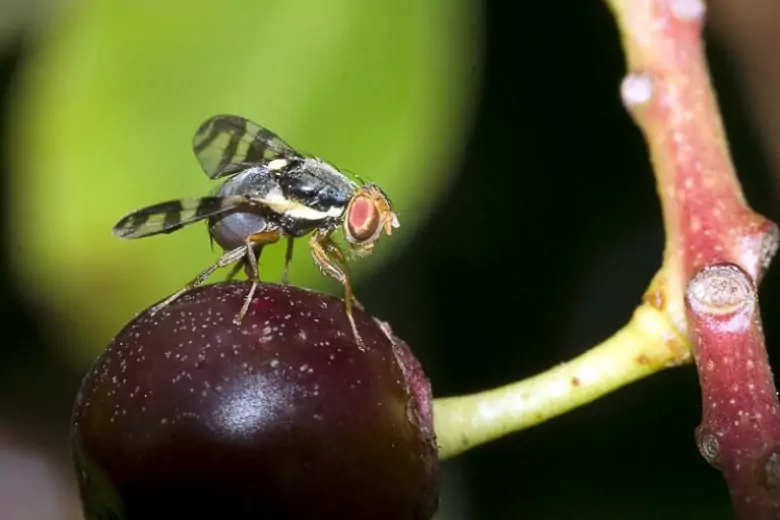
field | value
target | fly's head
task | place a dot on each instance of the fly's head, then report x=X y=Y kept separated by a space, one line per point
x=368 y=214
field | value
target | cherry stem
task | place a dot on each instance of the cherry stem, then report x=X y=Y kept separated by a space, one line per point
x=642 y=347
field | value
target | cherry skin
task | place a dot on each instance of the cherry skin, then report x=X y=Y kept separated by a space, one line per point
x=187 y=415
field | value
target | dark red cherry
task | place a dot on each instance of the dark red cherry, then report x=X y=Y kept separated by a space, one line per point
x=187 y=415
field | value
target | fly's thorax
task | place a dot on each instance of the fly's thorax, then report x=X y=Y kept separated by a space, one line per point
x=296 y=227
x=231 y=229
x=327 y=173
x=254 y=180
x=318 y=185
x=307 y=194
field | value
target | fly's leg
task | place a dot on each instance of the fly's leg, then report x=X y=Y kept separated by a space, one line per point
x=226 y=259
x=287 y=259
x=256 y=240
x=242 y=264
x=236 y=268
x=250 y=263
x=321 y=246
x=335 y=252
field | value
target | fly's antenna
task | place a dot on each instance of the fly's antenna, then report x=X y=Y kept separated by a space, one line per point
x=410 y=211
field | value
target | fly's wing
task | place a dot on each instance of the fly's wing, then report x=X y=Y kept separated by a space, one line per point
x=226 y=145
x=167 y=217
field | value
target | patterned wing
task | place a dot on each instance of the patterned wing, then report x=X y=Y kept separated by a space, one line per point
x=225 y=145
x=170 y=216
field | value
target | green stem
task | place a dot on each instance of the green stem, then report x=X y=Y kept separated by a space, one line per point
x=647 y=344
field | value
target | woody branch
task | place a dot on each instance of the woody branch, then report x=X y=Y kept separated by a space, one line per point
x=717 y=248
x=703 y=297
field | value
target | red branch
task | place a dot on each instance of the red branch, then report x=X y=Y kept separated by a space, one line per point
x=717 y=248
x=740 y=429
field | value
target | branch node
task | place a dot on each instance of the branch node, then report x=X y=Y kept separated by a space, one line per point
x=768 y=246
x=688 y=9
x=772 y=470
x=709 y=446
x=636 y=89
x=720 y=289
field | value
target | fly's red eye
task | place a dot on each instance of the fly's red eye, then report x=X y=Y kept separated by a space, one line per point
x=362 y=219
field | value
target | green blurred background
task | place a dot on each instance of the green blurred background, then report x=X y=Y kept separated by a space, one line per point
x=529 y=220
x=110 y=97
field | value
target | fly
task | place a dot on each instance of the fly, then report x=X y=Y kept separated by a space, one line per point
x=270 y=191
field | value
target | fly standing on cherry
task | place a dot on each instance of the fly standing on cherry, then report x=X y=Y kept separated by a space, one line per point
x=270 y=192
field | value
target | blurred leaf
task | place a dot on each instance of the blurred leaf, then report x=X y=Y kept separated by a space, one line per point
x=16 y=16
x=107 y=107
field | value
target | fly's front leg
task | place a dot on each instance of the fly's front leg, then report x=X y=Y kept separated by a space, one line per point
x=321 y=245
x=335 y=252
x=256 y=240
x=287 y=259
x=226 y=259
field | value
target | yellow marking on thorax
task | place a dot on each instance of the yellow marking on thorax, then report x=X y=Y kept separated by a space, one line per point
x=277 y=164
x=284 y=206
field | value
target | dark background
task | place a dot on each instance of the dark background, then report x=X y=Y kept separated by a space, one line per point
x=577 y=237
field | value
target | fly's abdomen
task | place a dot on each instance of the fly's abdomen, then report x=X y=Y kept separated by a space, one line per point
x=230 y=231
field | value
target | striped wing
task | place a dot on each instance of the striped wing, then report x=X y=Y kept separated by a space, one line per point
x=173 y=215
x=225 y=145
